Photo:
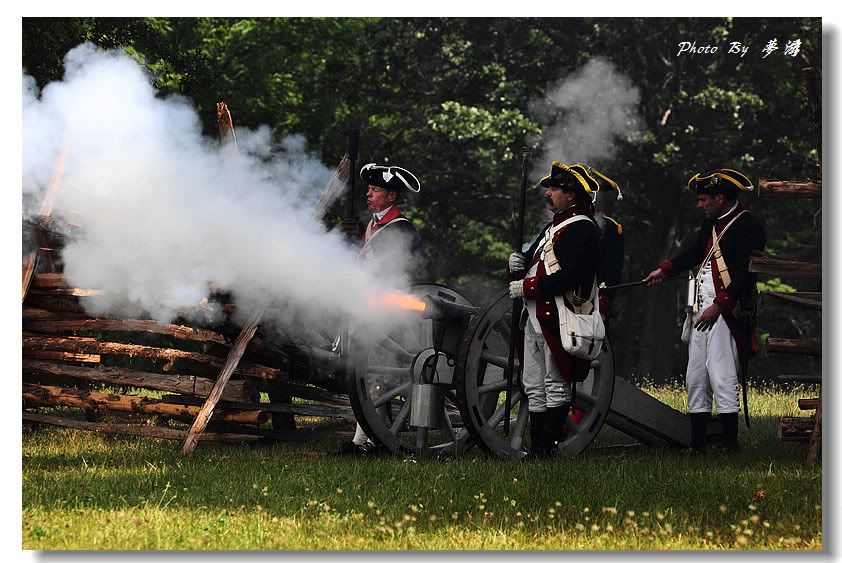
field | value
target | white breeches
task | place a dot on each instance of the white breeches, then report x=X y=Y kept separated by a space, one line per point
x=545 y=387
x=713 y=362
x=712 y=370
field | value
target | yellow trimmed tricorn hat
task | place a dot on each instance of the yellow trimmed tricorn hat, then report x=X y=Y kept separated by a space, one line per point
x=392 y=178
x=569 y=177
x=720 y=181
x=605 y=183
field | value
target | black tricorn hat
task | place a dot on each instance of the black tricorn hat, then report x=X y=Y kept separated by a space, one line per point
x=605 y=183
x=392 y=178
x=720 y=181
x=569 y=177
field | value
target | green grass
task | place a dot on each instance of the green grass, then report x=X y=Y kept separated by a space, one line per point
x=85 y=491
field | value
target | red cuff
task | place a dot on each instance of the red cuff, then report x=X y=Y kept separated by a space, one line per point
x=725 y=302
x=667 y=267
x=530 y=288
x=605 y=305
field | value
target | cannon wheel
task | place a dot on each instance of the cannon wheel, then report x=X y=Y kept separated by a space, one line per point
x=381 y=370
x=479 y=379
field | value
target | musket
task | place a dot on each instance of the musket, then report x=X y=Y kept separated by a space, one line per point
x=353 y=152
x=632 y=284
x=517 y=304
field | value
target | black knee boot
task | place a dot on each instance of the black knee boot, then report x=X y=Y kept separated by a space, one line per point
x=554 y=426
x=698 y=432
x=730 y=422
x=537 y=424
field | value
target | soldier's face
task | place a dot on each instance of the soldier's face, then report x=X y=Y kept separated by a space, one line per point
x=559 y=200
x=713 y=206
x=379 y=198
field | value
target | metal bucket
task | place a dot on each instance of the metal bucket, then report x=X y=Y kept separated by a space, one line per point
x=427 y=405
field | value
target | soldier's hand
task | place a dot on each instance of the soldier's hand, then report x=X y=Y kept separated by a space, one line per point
x=655 y=277
x=516 y=289
x=517 y=262
x=351 y=227
x=708 y=318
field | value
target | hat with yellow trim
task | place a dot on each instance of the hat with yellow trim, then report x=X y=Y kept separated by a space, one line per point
x=574 y=177
x=605 y=183
x=725 y=181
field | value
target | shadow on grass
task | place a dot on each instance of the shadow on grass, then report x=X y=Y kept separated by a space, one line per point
x=77 y=470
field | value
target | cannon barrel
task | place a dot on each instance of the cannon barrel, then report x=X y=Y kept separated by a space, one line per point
x=439 y=309
x=449 y=323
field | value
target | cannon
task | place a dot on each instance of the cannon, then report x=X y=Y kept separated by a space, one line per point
x=436 y=386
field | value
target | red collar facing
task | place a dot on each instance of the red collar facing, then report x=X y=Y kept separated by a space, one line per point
x=390 y=215
x=566 y=214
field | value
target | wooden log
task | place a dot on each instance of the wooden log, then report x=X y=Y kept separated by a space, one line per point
x=298 y=435
x=226 y=125
x=124 y=325
x=814 y=451
x=803 y=378
x=132 y=429
x=228 y=368
x=61 y=301
x=321 y=411
x=230 y=151
x=325 y=411
x=795 y=428
x=801 y=189
x=49 y=280
x=32 y=344
x=784 y=267
x=793 y=346
x=811 y=300
x=242 y=391
x=53 y=396
x=31 y=258
x=57 y=302
x=314 y=394
x=63 y=356
x=35 y=314
x=808 y=404
x=53 y=231
x=73 y=291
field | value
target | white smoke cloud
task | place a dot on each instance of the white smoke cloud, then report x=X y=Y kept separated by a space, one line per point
x=586 y=114
x=161 y=214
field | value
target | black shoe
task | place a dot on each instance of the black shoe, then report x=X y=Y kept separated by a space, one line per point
x=730 y=423
x=725 y=449
x=353 y=450
x=555 y=431
x=538 y=448
x=698 y=430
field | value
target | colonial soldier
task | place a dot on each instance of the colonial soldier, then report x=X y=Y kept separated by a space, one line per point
x=613 y=243
x=719 y=343
x=389 y=239
x=548 y=370
x=612 y=250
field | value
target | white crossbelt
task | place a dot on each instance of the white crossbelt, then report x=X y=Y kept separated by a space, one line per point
x=529 y=305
